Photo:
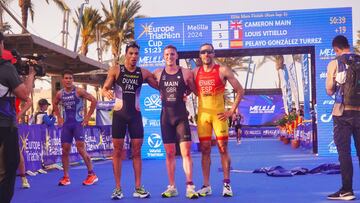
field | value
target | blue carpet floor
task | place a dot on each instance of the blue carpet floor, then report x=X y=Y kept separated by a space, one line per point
x=247 y=187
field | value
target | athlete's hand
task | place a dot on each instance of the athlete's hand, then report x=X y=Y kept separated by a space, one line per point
x=32 y=71
x=225 y=115
x=108 y=94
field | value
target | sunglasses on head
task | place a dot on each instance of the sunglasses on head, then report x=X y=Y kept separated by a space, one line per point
x=206 y=51
x=132 y=44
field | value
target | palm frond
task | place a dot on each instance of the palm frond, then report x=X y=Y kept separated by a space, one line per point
x=60 y=4
x=119 y=23
x=32 y=12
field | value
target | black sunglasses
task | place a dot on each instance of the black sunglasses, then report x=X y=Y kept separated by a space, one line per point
x=206 y=51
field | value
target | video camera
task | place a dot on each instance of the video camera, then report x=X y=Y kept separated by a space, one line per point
x=24 y=62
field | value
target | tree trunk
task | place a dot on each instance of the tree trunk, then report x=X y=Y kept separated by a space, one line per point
x=24 y=13
x=84 y=49
x=115 y=50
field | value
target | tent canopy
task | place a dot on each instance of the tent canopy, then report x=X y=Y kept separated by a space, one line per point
x=57 y=58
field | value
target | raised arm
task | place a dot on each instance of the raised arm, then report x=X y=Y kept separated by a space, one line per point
x=228 y=75
x=56 y=110
x=84 y=94
x=106 y=89
x=149 y=78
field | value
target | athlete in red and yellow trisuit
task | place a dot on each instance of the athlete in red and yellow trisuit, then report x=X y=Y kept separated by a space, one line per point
x=210 y=83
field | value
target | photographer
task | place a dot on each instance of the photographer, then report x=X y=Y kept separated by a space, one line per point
x=10 y=86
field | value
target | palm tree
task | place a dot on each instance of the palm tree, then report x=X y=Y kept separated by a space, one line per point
x=91 y=19
x=27 y=6
x=119 y=23
x=4 y=26
x=235 y=63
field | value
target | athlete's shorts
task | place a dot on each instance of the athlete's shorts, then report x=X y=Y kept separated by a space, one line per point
x=72 y=130
x=237 y=127
x=132 y=123
x=207 y=122
x=174 y=127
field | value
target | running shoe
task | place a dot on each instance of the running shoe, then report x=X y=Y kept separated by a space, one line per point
x=205 y=191
x=64 y=181
x=58 y=167
x=190 y=192
x=141 y=193
x=171 y=191
x=25 y=184
x=342 y=195
x=42 y=171
x=30 y=173
x=117 y=194
x=90 y=179
x=227 y=192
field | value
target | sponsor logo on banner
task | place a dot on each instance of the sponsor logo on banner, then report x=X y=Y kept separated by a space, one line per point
x=155 y=39
x=322 y=75
x=155 y=146
x=270 y=132
x=154 y=140
x=152 y=103
x=53 y=142
x=325 y=118
x=329 y=102
x=105 y=104
x=31 y=147
x=150 y=122
x=154 y=32
x=326 y=54
x=151 y=61
x=262 y=109
x=332 y=147
x=252 y=132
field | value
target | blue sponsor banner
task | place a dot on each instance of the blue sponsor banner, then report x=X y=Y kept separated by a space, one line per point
x=153 y=147
x=41 y=144
x=306 y=135
x=306 y=86
x=259 y=131
x=150 y=104
x=261 y=109
x=288 y=90
x=30 y=143
x=288 y=28
x=52 y=145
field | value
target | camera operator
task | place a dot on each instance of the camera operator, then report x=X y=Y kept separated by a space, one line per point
x=10 y=87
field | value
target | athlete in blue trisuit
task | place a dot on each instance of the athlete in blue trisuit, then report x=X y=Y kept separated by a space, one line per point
x=174 y=83
x=72 y=122
x=127 y=80
x=237 y=124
